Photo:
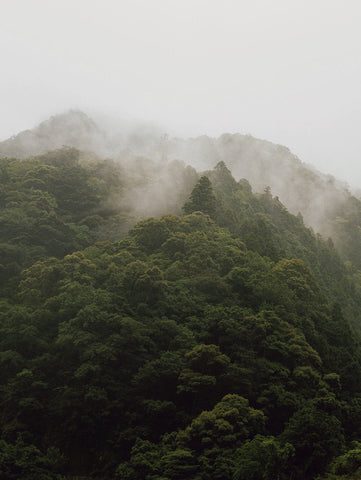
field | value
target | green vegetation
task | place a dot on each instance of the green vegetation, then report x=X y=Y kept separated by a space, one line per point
x=219 y=344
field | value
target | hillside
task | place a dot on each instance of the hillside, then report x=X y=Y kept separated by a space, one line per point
x=191 y=347
x=325 y=203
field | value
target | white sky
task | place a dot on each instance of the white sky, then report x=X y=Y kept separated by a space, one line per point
x=288 y=71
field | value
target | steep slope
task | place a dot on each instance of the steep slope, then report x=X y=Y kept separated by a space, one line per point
x=266 y=227
x=325 y=204
x=321 y=199
x=149 y=157
x=189 y=348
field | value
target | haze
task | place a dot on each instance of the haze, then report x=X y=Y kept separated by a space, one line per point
x=285 y=71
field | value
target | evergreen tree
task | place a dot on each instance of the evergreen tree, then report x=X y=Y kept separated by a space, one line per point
x=201 y=199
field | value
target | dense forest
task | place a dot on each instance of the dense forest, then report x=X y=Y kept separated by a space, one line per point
x=218 y=341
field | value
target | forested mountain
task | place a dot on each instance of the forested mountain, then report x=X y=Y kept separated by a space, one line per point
x=325 y=203
x=220 y=340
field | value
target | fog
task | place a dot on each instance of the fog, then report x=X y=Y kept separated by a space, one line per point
x=159 y=171
x=287 y=72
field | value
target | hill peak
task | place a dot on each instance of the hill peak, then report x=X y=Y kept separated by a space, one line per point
x=72 y=128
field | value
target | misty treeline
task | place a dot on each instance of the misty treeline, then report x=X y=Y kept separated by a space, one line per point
x=325 y=203
x=220 y=340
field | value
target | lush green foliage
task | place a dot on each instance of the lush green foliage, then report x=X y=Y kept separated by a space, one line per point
x=192 y=348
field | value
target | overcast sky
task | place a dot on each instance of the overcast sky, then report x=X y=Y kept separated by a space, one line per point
x=288 y=71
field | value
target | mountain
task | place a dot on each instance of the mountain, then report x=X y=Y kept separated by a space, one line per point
x=325 y=204
x=74 y=129
x=300 y=187
x=105 y=137
x=219 y=340
x=215 y=344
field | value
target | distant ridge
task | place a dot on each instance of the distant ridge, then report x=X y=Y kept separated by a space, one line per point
x=320 y=198
x=73 y=129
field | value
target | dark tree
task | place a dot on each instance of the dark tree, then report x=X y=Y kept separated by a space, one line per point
x=201 y=199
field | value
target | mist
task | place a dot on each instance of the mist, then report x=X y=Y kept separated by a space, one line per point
x=159 y=170
x=281 y=71
x=270 y=89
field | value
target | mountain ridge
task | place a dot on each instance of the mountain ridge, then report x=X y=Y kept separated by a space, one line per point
x=320 y=198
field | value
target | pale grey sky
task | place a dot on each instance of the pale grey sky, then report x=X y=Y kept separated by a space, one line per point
x=288 y=71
